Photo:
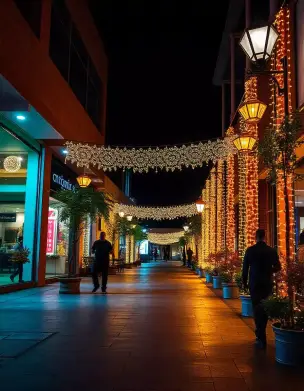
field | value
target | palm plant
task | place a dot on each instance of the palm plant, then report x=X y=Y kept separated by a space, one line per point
x=74 y=210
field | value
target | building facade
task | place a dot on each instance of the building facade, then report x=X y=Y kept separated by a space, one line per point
x=53 y=87
x=244 y=200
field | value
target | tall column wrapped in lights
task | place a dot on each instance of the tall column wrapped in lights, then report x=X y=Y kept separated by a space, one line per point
x=207 y=220
x=230 y=196
x=277 y=103
x=220 y=227
x=242 y=170
x=204 y=231
x=213 y=216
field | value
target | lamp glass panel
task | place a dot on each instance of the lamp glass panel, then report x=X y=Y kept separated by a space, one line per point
x=272 y=38
x=252 y=141
x=252 y=109
x=237 y=143
x=245 y=142
x=244 y=42
x=258 y=38
x=244 y=112
x=199 y=207
x=261 y=111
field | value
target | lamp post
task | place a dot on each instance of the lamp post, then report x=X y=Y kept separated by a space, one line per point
x=258 y=45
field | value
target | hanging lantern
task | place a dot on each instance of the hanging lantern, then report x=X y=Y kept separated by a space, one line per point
x=244 y=143
x=252 y=110
x=200 y=205
x=83 y=180
x=121 y=214
x=129 y=218
x=186 y=228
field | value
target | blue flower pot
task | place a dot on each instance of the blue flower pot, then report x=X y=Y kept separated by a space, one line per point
x=217 y=282
x=247 y=310
x=197 y=270
x=208 y=278
x=289 y=346
x=200 y=273
x=230 y=290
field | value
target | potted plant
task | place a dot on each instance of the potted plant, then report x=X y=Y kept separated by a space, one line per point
x=76 y=206
x=288 y=316
x=219 y=259
x=278 y=151
x=247 y=310
x=208 y=274
x=228 y=272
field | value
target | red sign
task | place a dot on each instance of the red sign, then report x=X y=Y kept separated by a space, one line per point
x=52 y=222
x=50 y=242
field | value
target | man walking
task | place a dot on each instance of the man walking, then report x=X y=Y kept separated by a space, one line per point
x=189 y=256
x=261 y=262
x=102 y=249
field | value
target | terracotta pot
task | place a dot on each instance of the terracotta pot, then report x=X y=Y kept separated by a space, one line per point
x=69 y=285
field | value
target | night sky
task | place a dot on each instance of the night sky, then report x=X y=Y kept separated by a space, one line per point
x=161 y=62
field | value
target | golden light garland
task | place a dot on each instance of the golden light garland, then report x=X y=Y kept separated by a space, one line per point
x=219 y=206
x=204 y=230
x=207 y=221
x=157 y=213
x=169 y=158
x=165 y=238
x=213 y=217
x=242 y=168
x=230 y=210
x=252 y=211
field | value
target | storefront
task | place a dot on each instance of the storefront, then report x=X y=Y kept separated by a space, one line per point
x=58 y=235
x=20 y=181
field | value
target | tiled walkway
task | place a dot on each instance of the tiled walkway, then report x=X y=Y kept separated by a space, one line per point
x=159 y=328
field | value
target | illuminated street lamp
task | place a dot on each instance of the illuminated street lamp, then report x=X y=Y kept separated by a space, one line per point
x=200 y=205
x=121 y=214
x=83 y=180
x=129 y=218
x=258 y=43
x=252 y=110
x=244 y=143
x=186 y=228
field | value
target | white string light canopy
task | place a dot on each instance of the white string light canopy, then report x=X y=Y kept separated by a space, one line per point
x=156 y=213
x=169 y=158
x=165 y=238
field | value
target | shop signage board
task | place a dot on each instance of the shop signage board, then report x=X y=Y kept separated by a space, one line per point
x=51 y=233
x=62 y=178
x=8 y=217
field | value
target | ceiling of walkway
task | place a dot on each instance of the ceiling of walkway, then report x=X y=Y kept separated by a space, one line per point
x=162 y=57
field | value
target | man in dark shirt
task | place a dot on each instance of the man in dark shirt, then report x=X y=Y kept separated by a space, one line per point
x=261 y=261
x=102 y=249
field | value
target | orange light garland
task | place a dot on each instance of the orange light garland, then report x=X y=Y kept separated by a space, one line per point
x=219 y=206
x=207 y=212
x=283 y=48
x=204 y=231
x=230 y=211
x=213 y=216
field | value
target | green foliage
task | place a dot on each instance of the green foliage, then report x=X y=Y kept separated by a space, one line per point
x=139 y=235
x=195 y=225
x=277 y=148
x=226 y=277
x=182 y=241
x=80 y=204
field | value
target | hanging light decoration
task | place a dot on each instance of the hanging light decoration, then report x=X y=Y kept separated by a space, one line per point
x=200 y=205
x=186 y=228
x=244 y=143
x=121 y=213
x=129 y=218
x=84 y=180
x=252 y=110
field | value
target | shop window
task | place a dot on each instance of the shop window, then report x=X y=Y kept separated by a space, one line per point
x=78 y=77
x=57 y=246
x=19 y=166
x=31 y=11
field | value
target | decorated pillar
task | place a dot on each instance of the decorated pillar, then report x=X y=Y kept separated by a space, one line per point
x=207 y=221
x=283 y=48
x=230 y=197
x=213 y=216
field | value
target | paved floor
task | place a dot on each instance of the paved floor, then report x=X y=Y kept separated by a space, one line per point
x=159 y=328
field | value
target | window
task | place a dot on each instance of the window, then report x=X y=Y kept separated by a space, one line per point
x=70 y=56
x=31 y=11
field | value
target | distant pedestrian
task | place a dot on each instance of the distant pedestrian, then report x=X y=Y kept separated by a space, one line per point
x=155 y=254
x=261 y=262
x=102 y=249
x=19 y=269
x=189 y=256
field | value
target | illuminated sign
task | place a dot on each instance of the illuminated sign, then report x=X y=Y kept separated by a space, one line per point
x=62 y=182
x=51 y=233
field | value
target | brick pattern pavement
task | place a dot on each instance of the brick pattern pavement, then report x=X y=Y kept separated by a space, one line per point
x=160 y=328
